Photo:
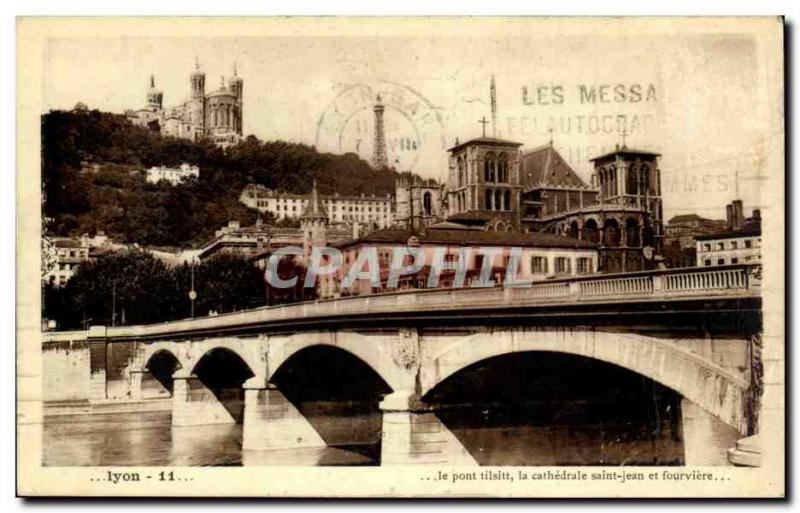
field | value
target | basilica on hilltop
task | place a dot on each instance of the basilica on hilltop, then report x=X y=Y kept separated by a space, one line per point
x=214 y=116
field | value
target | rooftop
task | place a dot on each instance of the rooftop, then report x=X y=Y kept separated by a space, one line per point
x=625 y=151
x=545 y=166
x=470 y=237
x=487 y=141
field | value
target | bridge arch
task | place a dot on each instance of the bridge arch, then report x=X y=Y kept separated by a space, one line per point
x=355 y=344
x=714 y=389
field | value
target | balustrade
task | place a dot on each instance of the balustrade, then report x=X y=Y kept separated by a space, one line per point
x=654 y=284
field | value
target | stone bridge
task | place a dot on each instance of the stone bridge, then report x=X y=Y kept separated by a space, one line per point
x=693 y=331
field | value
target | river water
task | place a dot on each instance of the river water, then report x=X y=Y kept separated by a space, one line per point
x=148 y=439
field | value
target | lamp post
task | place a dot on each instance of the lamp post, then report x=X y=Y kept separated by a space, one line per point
x=192 y=292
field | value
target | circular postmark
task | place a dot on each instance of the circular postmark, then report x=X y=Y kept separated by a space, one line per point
x=413 y=128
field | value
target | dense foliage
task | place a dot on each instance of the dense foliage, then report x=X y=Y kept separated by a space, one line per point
x=93 y=177
x=133 y=287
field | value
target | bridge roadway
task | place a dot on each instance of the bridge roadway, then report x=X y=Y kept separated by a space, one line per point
x=695 y=331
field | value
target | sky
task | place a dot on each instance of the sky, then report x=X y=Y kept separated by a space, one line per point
x=697 y=98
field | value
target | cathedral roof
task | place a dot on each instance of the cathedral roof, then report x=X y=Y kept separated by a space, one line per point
x=486 y=141
x=626 y=152
x=544 y=166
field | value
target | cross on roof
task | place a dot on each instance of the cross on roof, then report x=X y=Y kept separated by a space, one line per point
x=483 y=122
x=624 y=134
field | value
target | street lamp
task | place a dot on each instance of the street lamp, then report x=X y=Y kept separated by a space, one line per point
x=192 y=292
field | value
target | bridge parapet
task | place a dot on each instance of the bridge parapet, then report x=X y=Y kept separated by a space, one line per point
x=712 y=282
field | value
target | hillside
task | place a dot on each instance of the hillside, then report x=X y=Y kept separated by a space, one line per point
x=92 y=174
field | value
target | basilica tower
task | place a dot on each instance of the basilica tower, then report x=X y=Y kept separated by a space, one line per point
x=197 y=102
x=155 y=98
x=236 y=84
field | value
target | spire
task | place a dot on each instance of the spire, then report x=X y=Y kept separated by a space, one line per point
x=152 y=81
x=314 y=209
x=196 y=62
x=235 y=74
x=222 y=81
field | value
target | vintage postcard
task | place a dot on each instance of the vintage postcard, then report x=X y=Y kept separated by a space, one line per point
x=400 y=257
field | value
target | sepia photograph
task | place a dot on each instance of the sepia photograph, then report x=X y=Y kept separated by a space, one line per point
x=439 y=257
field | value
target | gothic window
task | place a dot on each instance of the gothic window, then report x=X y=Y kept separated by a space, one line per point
x=460 y=165
x=489 y=168
x=632 y=233
x=498 y=200
x=507 y=200
x=644 y=176
x=488 y=203
x=502 y=168
x=611 y=233
x=631 y=187
x=427 y=203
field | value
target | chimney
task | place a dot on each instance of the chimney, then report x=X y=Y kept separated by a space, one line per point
x=738 y=215
x=729 y=215
x=757 y=217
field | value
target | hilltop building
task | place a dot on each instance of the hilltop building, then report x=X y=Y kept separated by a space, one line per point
x=215 y=116
x=372 y=212
x=173 y=175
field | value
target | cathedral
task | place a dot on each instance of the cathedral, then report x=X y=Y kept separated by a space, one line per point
x=495 y=185
x=214 y=116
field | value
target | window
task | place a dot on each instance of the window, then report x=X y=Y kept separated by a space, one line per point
x=721 y=261
x=707 y=262
x=707 y=247
x=538 y=265
x=734 y=260
x=748 y=244
x=584 y=265
x=734 y=244
x=562 y=265
x=720 y=246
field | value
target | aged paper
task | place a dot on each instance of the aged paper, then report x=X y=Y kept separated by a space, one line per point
x=400 y=257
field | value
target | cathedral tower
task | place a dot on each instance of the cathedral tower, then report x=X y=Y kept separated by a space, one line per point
x=379 y=157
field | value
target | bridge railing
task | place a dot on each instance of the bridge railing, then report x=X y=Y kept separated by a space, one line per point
x=739 y=280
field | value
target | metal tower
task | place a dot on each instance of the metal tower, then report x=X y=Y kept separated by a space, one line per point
x=379 y=157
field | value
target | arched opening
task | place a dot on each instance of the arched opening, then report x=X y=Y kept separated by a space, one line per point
x=502 y=168
x=223 y=372
x=632 y=184
x=488 y=199
x=507 y=200
x=157 y=381
x=498 y=200
x=590 y=231
x=632 y=239
x=546 y=408
x=647 y=235
x=461 y=171
x=338 y=393
x=427 y=203
x=573 y=229
x=611 y=235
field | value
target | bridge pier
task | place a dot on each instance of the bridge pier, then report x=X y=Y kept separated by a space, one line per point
x=414 y=435
x=194 y=404
x=272 y=422
x=705 y=438
x=135 y=383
